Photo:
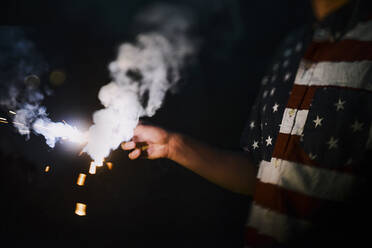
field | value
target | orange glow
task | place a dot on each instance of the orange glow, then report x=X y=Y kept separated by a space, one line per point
x=92 y=168
x=109 y=165
x=47 y=168
x=81 y=179
x=80 y=209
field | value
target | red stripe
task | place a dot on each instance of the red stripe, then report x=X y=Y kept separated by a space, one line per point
x=301 y=96
x=254 y=239
x=344 y=50
x=291 y=203
x=288 y=147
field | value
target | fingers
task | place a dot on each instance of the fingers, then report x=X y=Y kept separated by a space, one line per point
x=126 y=146
x=135 y=154
x=139 y=149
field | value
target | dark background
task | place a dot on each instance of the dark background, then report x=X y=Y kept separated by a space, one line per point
x=138 y=203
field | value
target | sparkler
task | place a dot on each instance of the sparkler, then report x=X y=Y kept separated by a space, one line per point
x=12 y=112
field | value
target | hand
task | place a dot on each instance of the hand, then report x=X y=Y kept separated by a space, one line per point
x=154 y=141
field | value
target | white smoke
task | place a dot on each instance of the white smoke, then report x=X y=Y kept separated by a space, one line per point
x=142 y=74
x=21 y=91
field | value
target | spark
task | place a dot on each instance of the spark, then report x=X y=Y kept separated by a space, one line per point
x=12 y=112
x=109 y=165
x=92 y=168
x=47 y=168
x=18 y=123
x=81 y=179
x=3 y=119
x=80 y=209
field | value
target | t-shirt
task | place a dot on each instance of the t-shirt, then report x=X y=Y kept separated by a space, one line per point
x=310 y=129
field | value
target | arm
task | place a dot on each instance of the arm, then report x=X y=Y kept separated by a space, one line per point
x=231 y=170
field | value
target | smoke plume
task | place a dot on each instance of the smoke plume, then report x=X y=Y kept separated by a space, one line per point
x=21 y=90
x=142 y=74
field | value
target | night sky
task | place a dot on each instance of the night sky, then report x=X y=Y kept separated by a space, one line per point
x=138 y=203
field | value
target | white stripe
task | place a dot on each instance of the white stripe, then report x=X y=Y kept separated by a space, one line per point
x=347 y=74
x=293 y=121
x=275 y=224
x=308 y=180
x=361 y=32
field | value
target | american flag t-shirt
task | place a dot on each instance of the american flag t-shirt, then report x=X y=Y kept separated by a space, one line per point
x=309 y=131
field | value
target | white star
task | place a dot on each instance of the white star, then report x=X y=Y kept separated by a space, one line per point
x=318 y=121
x=332 y=143
x=286 y=63
x=312 y=156
x=340 y=104
x=255 y=145
x=287 y=52
x=273 y=78
x=287 y=76
x=298 y=47
x=272 y=91
x=264 y=94
x=264 y=80
x=251 y=125
x=275 y=107
x=349 y=161
x=269 y=141
x=357 y=126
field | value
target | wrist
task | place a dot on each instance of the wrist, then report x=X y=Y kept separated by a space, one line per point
x=174 y=145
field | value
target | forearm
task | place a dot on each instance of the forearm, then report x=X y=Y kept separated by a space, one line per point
x=231 y=170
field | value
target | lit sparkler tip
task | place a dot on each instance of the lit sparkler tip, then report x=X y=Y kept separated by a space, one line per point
x=80 y=209
x=12 y=112
x=47 y=168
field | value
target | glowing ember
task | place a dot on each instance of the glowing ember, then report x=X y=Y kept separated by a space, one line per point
x=81 y=179
x=92 y=168
x=109 y=165
x=80 y=209
x=47 y=168
x=12 y=112
x=18 y=123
